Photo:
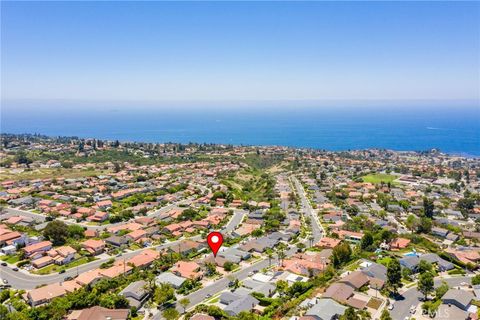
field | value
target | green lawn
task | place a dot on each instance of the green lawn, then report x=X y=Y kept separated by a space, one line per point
x=56 y=268
x=378 y=178
x=10 y=259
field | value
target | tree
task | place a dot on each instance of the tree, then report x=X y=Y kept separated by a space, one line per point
x=341 y=254
x=281 y=286
x=163 y=293
x=425 y=283
x=424 y=266
x=394 y=275
x=441 y=290
x=281 y=255
x=210 y=268
x=56 y=231
x=350 y=314
x=476 y=279
x=425 y=225
x=428 y=207
x=385 y=315
x=75 y=231
x=367 y=241
x=184 y=302
x=170 y=314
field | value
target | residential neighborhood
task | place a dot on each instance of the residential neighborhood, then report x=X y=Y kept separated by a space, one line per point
x=367 y=234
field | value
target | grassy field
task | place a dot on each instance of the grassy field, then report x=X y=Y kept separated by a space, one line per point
x=378 y=178
x=50 y=173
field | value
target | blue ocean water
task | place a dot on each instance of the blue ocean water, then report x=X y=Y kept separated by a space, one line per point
x=451 y=129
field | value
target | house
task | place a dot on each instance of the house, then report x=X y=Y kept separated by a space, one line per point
x=170 y=278
x=135 y=293
x=326 y=309
x=377 y=275
x=42 y=262
x=94 y=247
x=239 y=303
x=99 y=313
x=187 y=269
x=350 y=235
x=45 y=294
x=201 y=316
x=136 y=235
x=99 y=216
x=186 y=247
x=144 y=259
x=399 y=243
x=89 y=277
x=37 y=248
x=62 y=255
x=339 y=292
x=439 y=232
x=327 y=242
x=117 y=241
x=460 y=298
x=442 y=264
x=356 y=279
x=118 y=268
x=12 y=238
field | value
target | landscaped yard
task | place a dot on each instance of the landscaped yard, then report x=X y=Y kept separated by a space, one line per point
x=374 y=303
x=56 y=268
x=10 y=259
x=379 y=177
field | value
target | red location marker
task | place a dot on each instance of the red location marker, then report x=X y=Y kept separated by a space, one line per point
x=215 y=240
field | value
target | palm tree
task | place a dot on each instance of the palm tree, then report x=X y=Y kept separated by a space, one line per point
x=184 y=302
x=281 y=256
x=270 y=256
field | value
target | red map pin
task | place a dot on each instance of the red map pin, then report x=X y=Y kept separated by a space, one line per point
x=215 y=240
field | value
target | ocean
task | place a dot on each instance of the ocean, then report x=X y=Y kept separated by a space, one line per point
x=453 y=130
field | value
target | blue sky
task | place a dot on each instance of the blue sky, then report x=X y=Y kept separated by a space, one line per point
x=240 y=50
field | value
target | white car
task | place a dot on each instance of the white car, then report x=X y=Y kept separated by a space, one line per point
x=390 y=306
x=413 y=309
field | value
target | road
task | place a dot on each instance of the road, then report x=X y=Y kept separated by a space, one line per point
x=317 y=229
x=8 y=212
x=23 y=280
x=412 y=297
x=222 y=284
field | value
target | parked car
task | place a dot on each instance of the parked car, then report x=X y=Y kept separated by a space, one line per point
x=15 y=269
x=5 y=281
x=390 y=306
x=68 y=278
x=4 y=264
x=62 y=271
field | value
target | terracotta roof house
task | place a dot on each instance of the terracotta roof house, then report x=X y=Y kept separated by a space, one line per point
x=94 y=247
x=399 y=243
x=99 y=313
x=201 y=316
x=327 y=242
x=119 y=268
x=45 y=294
x=144 y=259
x=187 y=269
x=39 y=247
x=137 y=234
x=89 y=277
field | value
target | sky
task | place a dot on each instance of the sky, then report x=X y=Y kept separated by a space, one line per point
x=236 y=51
